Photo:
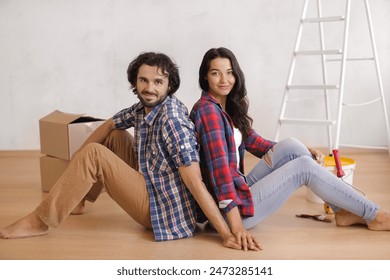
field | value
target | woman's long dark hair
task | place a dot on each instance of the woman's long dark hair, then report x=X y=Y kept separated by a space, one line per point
x=237 y=103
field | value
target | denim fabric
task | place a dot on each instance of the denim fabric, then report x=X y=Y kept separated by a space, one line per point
x=288 y=166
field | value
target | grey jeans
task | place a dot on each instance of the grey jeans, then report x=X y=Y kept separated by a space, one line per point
x=288 y=166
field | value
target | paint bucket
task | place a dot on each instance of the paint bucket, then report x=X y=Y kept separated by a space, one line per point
x=348 y=165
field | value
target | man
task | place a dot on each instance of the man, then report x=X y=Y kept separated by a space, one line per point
x=154 y=176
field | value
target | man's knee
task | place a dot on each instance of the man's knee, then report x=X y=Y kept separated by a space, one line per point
x=119 y=133
x=118 y=136
x=92 y=148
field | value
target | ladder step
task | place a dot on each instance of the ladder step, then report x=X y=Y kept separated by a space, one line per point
x=316 y=52
x=363 y=103
x=306 y=121
x=353 y=59
x=313 y=86
x=324 y=19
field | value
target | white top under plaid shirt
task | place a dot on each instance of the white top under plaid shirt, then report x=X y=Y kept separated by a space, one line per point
x=165 y=140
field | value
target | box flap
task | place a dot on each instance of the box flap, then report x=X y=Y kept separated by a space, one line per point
x=61 y=117
x=85 y=119
x=61 y=134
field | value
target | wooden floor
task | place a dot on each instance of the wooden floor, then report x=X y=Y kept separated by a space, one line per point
x=106 y=232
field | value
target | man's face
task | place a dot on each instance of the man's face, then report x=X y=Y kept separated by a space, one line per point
x=152 y=86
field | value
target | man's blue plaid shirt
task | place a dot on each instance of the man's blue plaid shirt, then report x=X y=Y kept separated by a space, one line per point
x=164 y=140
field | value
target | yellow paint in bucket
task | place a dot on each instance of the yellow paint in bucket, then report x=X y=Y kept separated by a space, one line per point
x=348 y=166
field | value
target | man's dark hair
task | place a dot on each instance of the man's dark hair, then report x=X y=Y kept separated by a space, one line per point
x=163 y=63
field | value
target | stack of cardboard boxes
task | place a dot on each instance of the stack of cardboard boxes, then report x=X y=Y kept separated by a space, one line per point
x=61 y=135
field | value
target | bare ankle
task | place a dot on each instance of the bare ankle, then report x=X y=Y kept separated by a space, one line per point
x=344 y=218
x=29 y=226
x=381 y=222
x=79 y=209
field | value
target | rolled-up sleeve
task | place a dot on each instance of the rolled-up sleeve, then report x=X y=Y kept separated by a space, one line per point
x=180 y=141
x=257 y=145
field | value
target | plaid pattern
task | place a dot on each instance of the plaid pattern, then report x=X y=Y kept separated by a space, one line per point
x=164 y=140
x=218 y=159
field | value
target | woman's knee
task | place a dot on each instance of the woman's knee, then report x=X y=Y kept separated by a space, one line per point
x=294 y=147
x=306 y=161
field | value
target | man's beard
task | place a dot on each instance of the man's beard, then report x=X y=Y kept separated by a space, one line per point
x=150 y=104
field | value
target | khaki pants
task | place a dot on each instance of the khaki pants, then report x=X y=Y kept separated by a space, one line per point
x=110 y=166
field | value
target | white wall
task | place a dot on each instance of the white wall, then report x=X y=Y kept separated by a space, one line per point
x=72 y=55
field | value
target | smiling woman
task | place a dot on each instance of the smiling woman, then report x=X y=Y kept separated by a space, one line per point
x=221 y=79
x=224 y=134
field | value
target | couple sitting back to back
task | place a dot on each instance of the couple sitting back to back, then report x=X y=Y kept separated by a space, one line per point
x=164 y=183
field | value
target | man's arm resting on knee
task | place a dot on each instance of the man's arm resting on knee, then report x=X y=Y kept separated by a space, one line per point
x=100 y=134
x=193 y=180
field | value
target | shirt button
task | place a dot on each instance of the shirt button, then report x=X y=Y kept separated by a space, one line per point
x=182 y=147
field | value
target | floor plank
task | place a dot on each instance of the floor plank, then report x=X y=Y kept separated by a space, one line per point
x=106 y=232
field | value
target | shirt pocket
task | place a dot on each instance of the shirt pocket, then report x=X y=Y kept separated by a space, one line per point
x=156 y=159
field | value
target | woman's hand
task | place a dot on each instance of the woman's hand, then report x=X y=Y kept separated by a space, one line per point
x=242 y=237
x=242 y=241
x=247 y=242
x=192 y=178
x=230 y=242
x=317 y=155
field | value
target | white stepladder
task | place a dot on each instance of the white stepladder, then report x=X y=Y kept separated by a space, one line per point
x=326 y=56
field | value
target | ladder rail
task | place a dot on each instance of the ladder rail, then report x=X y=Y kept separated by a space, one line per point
x=291 y=69
x=324 y=74
x=378 y=72
x=325 y=88
x=342 y=75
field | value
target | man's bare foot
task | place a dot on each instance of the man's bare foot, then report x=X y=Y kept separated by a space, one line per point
x=344 y=219
x=79 y=209
x=381 y=222
x=29 y=226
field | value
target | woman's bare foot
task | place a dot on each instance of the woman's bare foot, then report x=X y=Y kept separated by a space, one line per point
x=344 y=219
x=29 y=226
x=381 y=222
x=79 y=209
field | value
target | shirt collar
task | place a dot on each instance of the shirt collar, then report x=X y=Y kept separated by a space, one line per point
x=207 y=96
x=151 y=117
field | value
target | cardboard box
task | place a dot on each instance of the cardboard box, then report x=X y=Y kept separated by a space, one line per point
x=62 y=133
x=51 y=170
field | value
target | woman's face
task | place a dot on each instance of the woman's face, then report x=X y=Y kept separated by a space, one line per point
x=220 y=77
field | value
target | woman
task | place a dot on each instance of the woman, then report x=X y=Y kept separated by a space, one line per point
x=224 y=132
